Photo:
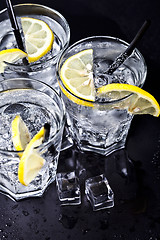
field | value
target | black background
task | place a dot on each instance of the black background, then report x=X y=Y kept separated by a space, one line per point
x=136 y=214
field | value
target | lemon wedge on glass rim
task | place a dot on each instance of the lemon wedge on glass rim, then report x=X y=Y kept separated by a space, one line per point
x=10 y=56
x=20 y=134
x=38 y=41
x=38 y=38
x=77 y=75
x=139 y=101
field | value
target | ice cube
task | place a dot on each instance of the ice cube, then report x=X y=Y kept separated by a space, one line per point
x=68 y=188
x=99 y=193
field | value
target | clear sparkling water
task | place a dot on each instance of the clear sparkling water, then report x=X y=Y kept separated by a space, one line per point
x=122 y=75
x=36 y=109
x=44 y=71
x=103 y=128
x=7 y=39
x=34 y=116
x=99 y=130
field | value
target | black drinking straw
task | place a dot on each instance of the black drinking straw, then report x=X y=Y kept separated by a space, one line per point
x=122 y=57
x=15 y=28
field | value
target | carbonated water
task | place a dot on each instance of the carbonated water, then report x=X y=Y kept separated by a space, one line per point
x=103 y=126
x=43 y=69
x=35 y=108
x=7 y=39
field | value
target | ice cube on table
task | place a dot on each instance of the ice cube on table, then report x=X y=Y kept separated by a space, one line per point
x=99 y=193
x=68 y=188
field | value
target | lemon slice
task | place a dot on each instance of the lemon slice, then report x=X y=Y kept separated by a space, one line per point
x=20 y=134
x=77 y=75
x=38 y=38
x=31 y=161
x=140 y=101
x=10 y=56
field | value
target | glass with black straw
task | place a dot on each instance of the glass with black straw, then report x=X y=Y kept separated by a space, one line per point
x=19 y=41
x=119 y=61
x=15 y=28
x=12 y=35
x=97 y=122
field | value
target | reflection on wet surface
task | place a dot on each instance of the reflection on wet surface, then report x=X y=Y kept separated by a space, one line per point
x=127 y=177
x=135 y=215
x=121 y=172
x=133 y=197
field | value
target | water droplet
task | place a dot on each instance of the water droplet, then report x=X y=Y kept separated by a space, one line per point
x=25 y=213
x=36 y=211
x=9 y=224
x=5 y=235
x=85 y=231
x=44 y=219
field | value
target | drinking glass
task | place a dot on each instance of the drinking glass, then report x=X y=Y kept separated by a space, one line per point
x=100 y=126
x=37 y=104
x=43 y=69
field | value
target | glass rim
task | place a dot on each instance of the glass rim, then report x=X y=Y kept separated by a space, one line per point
x=47 y=143
x=34 y=64
x=92 y=38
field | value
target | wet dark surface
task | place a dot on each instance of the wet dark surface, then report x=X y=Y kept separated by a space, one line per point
x=133 y=173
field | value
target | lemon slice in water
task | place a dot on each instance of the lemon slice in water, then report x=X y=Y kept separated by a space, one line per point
x=140 y=101
x=38 y=38
x=31 y=161
x=10 y=56
x=20 y=134
x=77 y=75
